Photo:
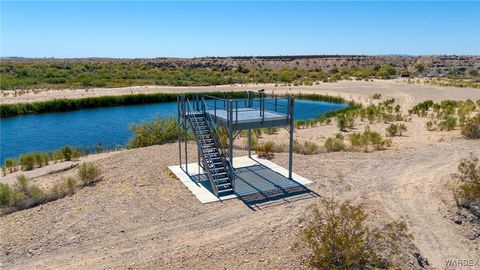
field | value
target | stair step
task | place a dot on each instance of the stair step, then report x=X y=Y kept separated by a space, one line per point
x=225 y=190
x=224 y=185
x=221 y=179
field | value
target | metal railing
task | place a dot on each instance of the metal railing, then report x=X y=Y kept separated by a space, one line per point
x=201 y=141
x=218 y=142
x=261 y=103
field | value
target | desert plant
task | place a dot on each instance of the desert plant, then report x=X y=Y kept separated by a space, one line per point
x=401 y=129
x=159 y=131
x=468 y=176
x=10 y=164
x=376 y=96
x=67 y=152
x=27 y=161
x=392 y=130
x=448 y=124
x=8 y=195
x=266 y=150
x=341 y=122
x=270 y=131
x=71 y=183
x=22 y=183
x=310 y=148
x=471 y=129
x=334 y=144
x=338 y=236
x=89 y=172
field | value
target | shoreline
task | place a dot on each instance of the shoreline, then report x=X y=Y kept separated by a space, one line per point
x=357 y=91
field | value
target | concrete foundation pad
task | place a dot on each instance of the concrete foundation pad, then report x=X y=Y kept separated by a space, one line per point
x=193 y=182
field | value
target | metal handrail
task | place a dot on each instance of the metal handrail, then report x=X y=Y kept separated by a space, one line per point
x=211 y=125
x=207 y=169
x=218 y=142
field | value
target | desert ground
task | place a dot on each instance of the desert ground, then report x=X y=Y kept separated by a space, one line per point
x=139 y=216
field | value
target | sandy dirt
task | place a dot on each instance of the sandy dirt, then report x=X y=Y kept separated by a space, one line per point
x=359 y=91
x=140 y=217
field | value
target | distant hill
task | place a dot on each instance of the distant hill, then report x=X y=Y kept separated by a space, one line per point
x=436 y=64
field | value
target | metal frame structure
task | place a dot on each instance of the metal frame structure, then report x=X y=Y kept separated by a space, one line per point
x=255 y=110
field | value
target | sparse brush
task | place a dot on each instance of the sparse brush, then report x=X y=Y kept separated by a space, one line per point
x=270 y=131
x=89 y=172
x=310 y=148
x=265 y=150
x=334 y=144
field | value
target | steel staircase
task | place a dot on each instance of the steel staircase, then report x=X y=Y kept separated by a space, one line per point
x=214 y=161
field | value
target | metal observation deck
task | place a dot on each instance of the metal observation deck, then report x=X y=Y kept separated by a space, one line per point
x=205 y=115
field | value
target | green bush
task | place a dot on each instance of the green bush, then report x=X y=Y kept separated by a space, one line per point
x=334 y=144
x=27 y=161
x=159 y=131
x=342 y=122
x=340 y=236
x=8 y=195
x=368 y=138
x=392 y=130
x=448 y=124
x=10 y=164
x=89 y=172
x=67 y=152
x=396 y=129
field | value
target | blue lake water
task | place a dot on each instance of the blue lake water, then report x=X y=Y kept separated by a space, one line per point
x=106 y=126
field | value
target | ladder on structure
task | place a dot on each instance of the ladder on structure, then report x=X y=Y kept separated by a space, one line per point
x=213 y=156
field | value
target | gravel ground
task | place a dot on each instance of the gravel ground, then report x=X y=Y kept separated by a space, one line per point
x=140 y=217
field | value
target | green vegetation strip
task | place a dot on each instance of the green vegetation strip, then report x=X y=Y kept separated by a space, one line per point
x=62 y=105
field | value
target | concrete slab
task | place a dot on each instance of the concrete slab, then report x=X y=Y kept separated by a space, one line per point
x=255 y=175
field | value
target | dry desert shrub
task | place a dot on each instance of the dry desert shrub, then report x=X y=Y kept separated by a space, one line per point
x=338 y=236
x=89 y=172
x=467 y=194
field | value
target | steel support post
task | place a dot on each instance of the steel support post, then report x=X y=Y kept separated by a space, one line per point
x=290 y=154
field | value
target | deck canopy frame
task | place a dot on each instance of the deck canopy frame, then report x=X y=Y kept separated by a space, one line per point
x=255 y=110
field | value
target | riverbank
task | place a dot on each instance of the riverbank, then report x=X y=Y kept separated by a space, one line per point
x=358 y=91
x=64 y=105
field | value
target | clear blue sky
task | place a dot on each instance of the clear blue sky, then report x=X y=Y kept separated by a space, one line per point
x=188 y=29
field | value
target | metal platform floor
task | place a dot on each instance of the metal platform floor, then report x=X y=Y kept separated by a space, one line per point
x=257 y=180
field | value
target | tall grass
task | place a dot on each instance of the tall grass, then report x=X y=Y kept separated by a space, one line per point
x=62 y=105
